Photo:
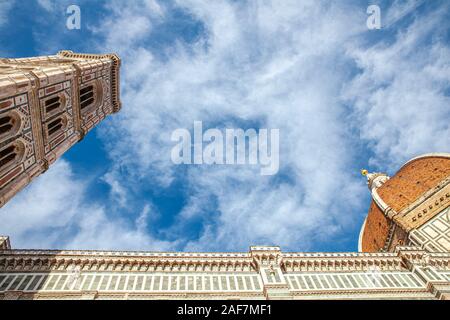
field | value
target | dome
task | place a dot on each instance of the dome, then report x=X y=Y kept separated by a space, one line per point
x=415 y=178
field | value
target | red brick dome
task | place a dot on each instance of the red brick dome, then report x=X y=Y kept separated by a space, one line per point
x=416 y=177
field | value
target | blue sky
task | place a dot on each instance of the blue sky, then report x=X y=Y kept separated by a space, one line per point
x=344 y=98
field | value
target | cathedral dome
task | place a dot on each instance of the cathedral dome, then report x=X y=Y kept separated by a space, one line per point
x=395 y=195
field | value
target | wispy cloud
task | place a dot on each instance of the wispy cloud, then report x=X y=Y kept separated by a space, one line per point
x=340 y=94
x=400 y=95
x=53 y=212
x=48 y=5
x=269 y=64
x=5 y=7
x=400 y=9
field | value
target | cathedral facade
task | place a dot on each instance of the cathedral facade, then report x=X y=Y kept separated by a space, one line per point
x=49 y=103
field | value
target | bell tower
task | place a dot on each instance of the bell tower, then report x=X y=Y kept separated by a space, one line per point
x=47 y=104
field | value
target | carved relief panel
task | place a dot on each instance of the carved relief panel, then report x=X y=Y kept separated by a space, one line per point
x=94 y=92
x=18 y=156
x=57 y=117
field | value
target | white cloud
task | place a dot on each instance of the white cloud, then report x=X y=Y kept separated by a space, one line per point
x=117 y=191
x=399 y=95
x=285 y=65
x=129 y=24
x=54 y=212
x=5 y=7
x=400 y=9
x=51 y=201
x=271 y=63
x=48 y=5
x=99 y=231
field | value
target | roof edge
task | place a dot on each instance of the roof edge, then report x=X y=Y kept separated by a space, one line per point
x=426 y=155
x=361 y=234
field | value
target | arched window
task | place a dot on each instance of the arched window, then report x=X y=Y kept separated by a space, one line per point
x=7 y=155
x=9 y=124
x=91 y=96
x=55 y=126
x=52 y=104
x=86 y=97
x=11 y=155
x=6 y=124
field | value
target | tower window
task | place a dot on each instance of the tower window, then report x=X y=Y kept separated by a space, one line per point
x=6 y=124
x=52 y=104
x=9 y=124
x=7 y=155
x=54 y=126
x=86 y=96
x=11 y=155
